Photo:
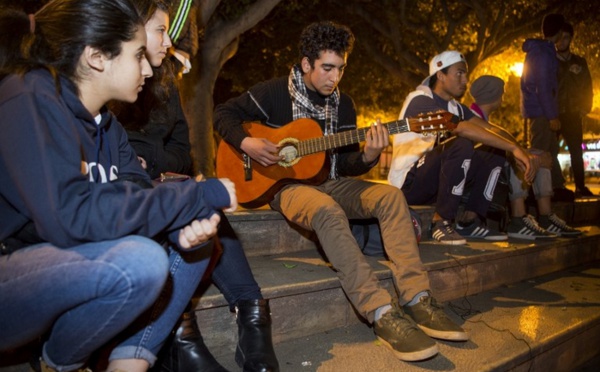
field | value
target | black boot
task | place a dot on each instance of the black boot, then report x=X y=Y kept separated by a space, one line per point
x=255 y=346
x=187 y=351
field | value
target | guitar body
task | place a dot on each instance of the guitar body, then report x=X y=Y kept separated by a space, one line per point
x=265 y=182
x=303 y=147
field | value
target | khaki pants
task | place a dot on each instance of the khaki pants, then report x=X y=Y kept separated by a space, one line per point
x=326 y=208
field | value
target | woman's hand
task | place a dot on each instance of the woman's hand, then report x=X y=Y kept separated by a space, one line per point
x=230 y=186
x=199 y=231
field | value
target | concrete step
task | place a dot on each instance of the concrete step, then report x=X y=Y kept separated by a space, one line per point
x=306 y=296
x=266 y=232
x=548 y=323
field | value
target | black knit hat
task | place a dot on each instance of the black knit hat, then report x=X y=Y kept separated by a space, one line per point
x=552 y=24
x=568 y=28
x=487 y=89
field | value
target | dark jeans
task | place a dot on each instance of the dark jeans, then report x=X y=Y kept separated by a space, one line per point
x=441 y=175
x=233 y=275
x=572 y=131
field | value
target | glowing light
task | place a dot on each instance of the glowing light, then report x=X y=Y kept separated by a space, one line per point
x=517 y=69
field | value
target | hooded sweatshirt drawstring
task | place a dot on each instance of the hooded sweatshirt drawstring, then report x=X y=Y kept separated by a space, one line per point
x=100 y=143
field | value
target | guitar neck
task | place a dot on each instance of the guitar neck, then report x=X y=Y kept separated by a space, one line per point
x=346 y=138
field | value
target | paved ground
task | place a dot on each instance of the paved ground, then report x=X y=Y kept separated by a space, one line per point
x=356 y=348
x=506 y=323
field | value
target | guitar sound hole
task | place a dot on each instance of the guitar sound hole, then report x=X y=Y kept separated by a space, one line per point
x=289 y=153
x=288 y=150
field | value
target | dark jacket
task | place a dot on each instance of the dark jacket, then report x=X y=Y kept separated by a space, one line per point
x=164 y=145
x=575 y=93
x=539 y=82
x=273 y=106
x=61 y=171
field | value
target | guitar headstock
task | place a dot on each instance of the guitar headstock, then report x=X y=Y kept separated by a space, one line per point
x=433 y=122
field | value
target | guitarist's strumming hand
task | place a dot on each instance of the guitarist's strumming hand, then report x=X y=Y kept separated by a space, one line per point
x=261 y=150
x=377 y=139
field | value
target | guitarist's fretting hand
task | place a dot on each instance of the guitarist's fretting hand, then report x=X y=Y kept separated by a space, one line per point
x=377 y=139
x=261 y=150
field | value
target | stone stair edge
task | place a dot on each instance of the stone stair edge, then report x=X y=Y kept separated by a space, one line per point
x=536 y=334
x=436 y=258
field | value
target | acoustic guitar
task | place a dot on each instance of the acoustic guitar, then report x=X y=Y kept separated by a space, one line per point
x=302 y=147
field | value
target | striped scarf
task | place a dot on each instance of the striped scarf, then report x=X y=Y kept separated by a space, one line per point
x=302 y=107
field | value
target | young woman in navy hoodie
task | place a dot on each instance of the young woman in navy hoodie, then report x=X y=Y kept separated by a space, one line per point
x=77 y=210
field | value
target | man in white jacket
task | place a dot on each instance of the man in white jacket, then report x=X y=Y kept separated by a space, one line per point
x=435 y=170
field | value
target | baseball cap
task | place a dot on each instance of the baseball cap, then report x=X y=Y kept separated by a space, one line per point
x=442 y=61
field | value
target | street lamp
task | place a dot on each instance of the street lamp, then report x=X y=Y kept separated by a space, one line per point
x=517 y=69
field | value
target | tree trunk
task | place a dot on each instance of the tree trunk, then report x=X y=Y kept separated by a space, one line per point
x=199 y=104
x=219 y=45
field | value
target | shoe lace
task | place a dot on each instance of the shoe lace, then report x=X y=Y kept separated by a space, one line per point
x=558 y=222
x=399 y=322
x=531 y=223
x=446 y=227
x=433 y=308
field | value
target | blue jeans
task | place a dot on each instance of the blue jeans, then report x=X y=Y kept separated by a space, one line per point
x=232 y=274
x=146 y=336
x=83 y=295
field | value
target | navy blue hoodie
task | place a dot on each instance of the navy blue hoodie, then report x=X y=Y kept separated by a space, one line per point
x=63 y=171
x=539 y=81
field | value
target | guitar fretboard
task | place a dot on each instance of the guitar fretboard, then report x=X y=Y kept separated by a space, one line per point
x=314 y=145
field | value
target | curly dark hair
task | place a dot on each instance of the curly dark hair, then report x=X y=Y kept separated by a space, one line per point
x=321 y=36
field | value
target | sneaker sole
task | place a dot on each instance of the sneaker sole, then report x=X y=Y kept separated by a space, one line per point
x=530 y=237
x=569 y=234
x=413 y=356
x=481 y=234
x=445 y=335
x=450 y=242
x=496 y=238
x=491 y=238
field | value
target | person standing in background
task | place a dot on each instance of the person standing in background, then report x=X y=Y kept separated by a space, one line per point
x=575 y=95
x=539 y=90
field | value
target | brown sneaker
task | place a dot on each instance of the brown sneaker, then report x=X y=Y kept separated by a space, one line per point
x=401 y=335
x=432 y=319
